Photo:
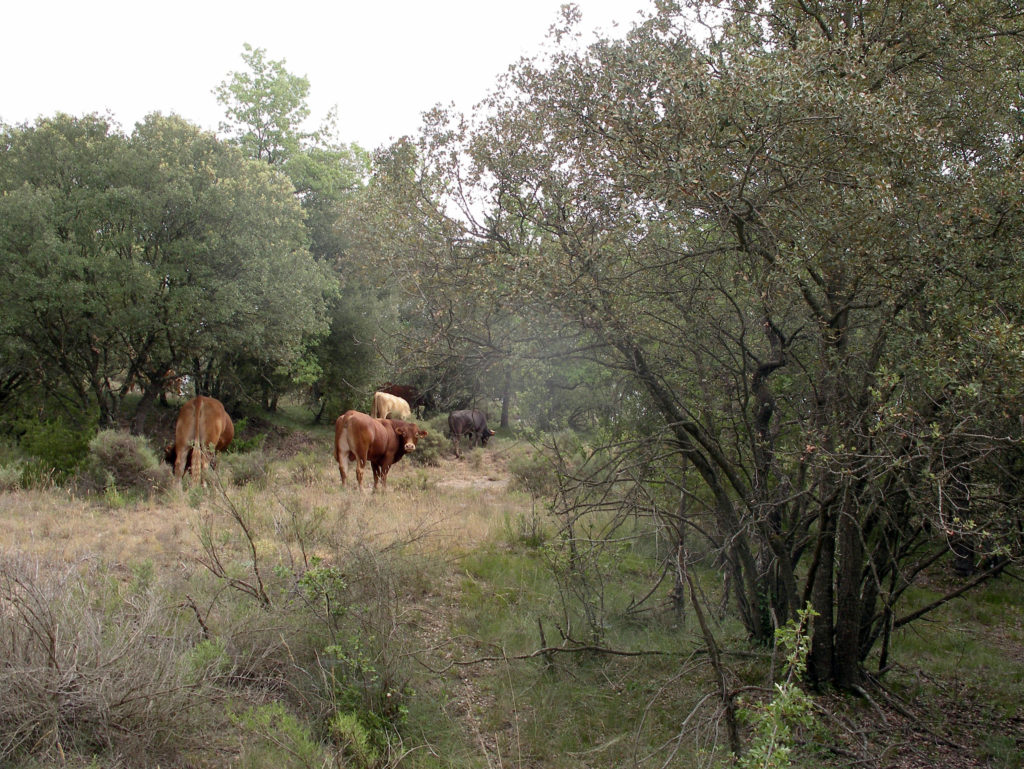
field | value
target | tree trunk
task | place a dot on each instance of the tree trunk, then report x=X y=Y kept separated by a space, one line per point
x=819 y=664
x=138 y=423
x=846 y=671
x=506 y=398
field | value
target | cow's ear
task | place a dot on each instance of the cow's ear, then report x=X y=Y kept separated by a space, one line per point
x=422 y=434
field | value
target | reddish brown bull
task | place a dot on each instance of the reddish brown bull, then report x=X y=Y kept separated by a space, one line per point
x=360 y=438
x=203 y=428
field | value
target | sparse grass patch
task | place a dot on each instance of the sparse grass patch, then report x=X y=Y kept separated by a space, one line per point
x=10 y=476
x=253 y=468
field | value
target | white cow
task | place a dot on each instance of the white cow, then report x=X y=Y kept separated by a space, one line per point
x=386 y=404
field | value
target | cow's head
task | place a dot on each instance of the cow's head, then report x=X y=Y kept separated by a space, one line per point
x=484 y=436
x=171 y=456
x=408 y=434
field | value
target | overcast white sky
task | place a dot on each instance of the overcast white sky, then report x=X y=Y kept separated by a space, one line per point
x=382 y=63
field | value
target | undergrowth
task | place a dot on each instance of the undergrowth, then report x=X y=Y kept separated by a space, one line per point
x=296 y=636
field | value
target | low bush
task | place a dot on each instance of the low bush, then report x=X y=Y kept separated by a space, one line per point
x=307 y=467
x=56 y=445
x=252 y=468
x=91 y=666
x=241 y=444
x=430 y=449
x=533 y=472
x=121 y=464
x=10 y=476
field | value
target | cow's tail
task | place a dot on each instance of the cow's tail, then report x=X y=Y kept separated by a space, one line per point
x=196 y=442
x=342 y=435
x=346 y=438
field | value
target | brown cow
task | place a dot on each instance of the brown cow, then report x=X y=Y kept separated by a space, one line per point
x=204 y=424
x=359 y=438
x=416 y=399
x=385 y=404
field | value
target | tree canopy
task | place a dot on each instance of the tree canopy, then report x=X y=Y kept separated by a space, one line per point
x=124 y=257
x=795 y=237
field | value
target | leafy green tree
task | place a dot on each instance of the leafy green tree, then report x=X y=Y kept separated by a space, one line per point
x=267 y=109
x=123 y=257
x=796 y=238
x=461 y=324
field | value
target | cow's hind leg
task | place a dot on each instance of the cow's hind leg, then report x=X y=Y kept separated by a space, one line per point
x=360 y=468
x=198 y=460
x=343 y=462
x=181 y=463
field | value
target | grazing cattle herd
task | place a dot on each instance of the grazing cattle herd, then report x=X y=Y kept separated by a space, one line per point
x=203 y=428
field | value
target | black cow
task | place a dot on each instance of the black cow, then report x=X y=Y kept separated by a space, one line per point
x=471 y=422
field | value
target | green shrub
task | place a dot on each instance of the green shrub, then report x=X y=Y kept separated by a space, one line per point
x=348 y=731
x=122 y=464
x=253 y=468
x=533 y=472
x=56 y=445
x=281 y=740
x=429 y=449
x=240 y=445
x=307 y=467
x=10 y=476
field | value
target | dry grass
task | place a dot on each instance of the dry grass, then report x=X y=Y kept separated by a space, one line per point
x=157 y=550
x=448 y=508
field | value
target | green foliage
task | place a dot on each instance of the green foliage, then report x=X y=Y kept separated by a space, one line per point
x=370 y=693
x=56 y=445
x=242 y=445
x=307 y=467
x=324 y=588
x=253 y=468
x=11 y=475
x=120 y=463
x=431 y=449
x=126 y=256
x=278 y=739
x=534 y=472
x=348 y=731
x=207 y=659
x=776 y=724
x=785 y=248
x=266 y=106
